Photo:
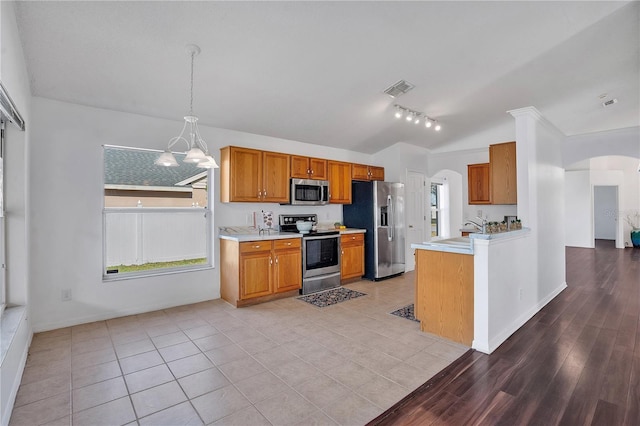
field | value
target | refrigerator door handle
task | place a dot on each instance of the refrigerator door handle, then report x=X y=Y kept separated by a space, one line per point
x=391 y=226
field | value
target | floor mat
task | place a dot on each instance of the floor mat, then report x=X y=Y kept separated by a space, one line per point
x=331 y=297
x=405 y=312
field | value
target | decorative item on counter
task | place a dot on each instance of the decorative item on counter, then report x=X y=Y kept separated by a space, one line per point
x=503 y=226
x=518 y=224
x=265 y=220
x=337 y=225
x=634 y=222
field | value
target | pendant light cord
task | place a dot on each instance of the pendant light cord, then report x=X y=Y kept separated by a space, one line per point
x=193 y=54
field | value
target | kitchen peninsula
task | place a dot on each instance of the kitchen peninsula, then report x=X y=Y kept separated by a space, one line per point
x=476 y=290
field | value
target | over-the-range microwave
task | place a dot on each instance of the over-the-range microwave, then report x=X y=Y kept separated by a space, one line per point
x=309 y=192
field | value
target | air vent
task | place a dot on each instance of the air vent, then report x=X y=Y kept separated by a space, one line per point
x=399 y=88
x=609 y=102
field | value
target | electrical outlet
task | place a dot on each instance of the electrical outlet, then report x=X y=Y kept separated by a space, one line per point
x=249 y=219
x=65 y=294
x=479 y=213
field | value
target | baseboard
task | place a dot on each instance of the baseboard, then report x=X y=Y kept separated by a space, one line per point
x=102 y=316
x=500 y=338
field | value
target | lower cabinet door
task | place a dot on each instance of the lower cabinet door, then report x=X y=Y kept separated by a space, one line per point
x=255 y=275
x=352 y=261
x=288 y=270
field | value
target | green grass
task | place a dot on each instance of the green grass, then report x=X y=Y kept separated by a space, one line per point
x=157 y=265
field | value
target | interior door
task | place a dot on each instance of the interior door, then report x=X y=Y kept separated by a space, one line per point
x=414 y=213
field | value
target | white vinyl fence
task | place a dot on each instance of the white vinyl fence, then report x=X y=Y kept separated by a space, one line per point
x=144 y=235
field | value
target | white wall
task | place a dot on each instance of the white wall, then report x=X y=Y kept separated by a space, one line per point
x=541 y=197
x=16 y=331
x=578 y=209
x=66 y=171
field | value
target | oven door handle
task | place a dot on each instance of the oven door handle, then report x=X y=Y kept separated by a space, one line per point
x=392 y=224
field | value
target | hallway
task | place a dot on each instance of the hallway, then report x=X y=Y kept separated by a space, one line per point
x=576 y=362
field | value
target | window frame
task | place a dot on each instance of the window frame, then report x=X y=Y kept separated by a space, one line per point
x=437 y=209
x=209 y=226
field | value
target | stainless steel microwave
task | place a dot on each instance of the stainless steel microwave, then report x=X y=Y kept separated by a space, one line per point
x=309 y=192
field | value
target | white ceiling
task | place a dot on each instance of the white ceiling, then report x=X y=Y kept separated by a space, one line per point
x=315 y=71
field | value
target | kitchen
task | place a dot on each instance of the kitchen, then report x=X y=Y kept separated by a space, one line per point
x=66 y=128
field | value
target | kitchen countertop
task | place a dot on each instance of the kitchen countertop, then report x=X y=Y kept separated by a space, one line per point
x=464 y=245
x=243 y=233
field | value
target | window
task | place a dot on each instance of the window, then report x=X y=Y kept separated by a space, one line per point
x=436 y=205
x=155 y=219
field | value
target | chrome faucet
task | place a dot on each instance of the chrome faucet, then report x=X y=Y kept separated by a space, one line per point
x=482 y=226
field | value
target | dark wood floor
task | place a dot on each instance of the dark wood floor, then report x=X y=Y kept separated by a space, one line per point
x=576 y=362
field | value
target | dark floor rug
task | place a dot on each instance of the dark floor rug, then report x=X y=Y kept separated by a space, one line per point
x=331 y=297
x=406 y=312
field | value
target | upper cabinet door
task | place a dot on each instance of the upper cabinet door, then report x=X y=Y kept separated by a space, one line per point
x=275 y=183
x=339 y=182
x=504 y=188
x=478 y=179
x=376 y=173
x=318 y=168
x=240 y=174
x=299 y=167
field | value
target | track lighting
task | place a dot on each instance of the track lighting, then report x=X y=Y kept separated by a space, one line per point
x=416 y=116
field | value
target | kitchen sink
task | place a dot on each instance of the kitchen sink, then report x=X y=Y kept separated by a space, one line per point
x=463 y=242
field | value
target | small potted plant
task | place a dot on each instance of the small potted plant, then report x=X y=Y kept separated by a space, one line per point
x=634 y=222
x=518 y=224
x=503 y=226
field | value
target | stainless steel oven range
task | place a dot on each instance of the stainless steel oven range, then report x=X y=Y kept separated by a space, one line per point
x=320 y=254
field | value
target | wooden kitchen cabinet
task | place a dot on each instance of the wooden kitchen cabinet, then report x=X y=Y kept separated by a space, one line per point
x=364 y=172
x=250 y=175
x=479 y=183
x=352 y=260
x=495 y=182
x=287 y=273
x=339 y=174
x=257 y=271
x=502 y=158
x=444 y=301
x=308 y=168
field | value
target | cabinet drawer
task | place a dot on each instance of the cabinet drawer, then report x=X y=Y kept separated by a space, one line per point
x=255 y=246
x=350 y=239
x=287 y=244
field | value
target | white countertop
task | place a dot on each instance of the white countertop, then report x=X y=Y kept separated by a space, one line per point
x=244 y=233
x=465 y=245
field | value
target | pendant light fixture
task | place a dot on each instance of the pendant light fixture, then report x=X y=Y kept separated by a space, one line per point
x=197 y=151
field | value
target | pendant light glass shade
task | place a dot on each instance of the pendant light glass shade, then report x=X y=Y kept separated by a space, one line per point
x=167 y=159
x=209 y=163
x=194 y=155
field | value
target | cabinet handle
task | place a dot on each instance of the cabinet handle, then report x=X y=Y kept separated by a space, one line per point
x=288 y=244
x=270 y=261
x=342 y=251
x=353 y=238
x=256 y=246
x=311 y=171
x=259 y=194
x=276 y=260
x=264 y=195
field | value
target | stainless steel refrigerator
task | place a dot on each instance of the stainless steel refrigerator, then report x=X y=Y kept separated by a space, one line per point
x=378 y=207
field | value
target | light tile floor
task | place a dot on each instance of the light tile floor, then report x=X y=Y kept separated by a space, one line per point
x=284 y=362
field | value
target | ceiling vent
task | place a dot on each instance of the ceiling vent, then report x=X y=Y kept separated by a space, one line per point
x=609 y=102
x=399 y=88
